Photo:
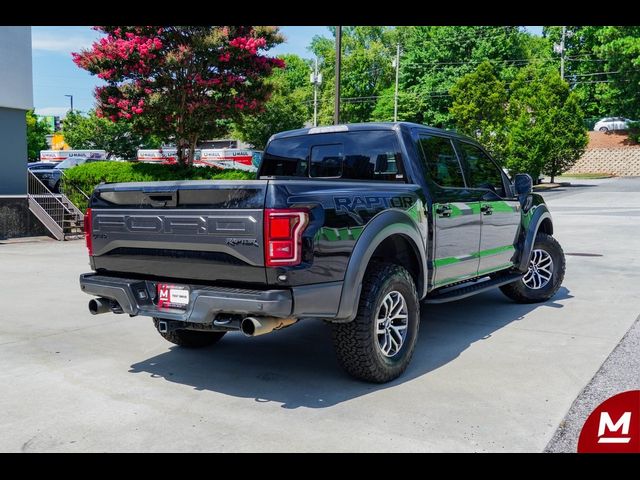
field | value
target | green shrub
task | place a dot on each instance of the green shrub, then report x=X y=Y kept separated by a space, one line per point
x=634 y=131
x=86 y=177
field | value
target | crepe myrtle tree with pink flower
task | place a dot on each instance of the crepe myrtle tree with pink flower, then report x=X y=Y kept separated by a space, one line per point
x=182 y=83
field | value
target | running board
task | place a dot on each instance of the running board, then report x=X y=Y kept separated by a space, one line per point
x=458 y=293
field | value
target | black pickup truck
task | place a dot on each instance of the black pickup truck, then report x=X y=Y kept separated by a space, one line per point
x=357 y=225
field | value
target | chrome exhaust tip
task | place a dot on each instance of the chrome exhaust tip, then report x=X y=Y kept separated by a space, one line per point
x=254 y=326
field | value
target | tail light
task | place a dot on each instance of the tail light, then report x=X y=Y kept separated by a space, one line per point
x=283 y=236
x=87 y=231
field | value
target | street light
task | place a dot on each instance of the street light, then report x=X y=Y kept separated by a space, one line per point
x=316 y=80
x=71 y=99
x=396 y=65
x=336 y=106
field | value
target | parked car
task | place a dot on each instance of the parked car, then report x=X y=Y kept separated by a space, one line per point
x=611 y=123
x=51 y=176
x=40 y=165
x=352 y=224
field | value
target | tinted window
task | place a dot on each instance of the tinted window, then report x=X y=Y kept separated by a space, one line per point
x=359 y=155
x=481 y=171
x=440 y=161
x=326 y=161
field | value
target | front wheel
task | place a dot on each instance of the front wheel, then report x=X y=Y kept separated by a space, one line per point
x=189 y=338
x=604 y=129
x=378 y=344
x=544 y=275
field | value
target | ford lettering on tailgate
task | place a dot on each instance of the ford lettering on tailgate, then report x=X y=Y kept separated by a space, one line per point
x=183 y=224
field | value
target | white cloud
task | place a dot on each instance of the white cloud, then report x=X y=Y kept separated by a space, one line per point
x=60 y=41
x=55 y=111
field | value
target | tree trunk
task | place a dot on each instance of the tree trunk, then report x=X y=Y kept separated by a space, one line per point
x=183 y=154
x=552 y=177
x=192 y=150
x=180 y=153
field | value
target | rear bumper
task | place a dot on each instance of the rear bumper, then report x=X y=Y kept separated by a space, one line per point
x=136 y=297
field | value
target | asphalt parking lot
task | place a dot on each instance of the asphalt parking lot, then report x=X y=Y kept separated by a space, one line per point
x=487 y=375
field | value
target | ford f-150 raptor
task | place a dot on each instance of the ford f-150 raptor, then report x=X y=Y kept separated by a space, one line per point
x=358 y=225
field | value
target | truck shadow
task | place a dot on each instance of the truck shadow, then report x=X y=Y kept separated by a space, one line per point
x=297 y=367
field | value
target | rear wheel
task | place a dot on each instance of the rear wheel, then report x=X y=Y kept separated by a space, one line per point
x=378 y=344
x=189 y=338
x=544 y=275
x=604 y=129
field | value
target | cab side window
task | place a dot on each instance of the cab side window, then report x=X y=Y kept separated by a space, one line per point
x=440 y=161
x=480 y=170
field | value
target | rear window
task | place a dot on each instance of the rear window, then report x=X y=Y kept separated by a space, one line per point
x=359 y=155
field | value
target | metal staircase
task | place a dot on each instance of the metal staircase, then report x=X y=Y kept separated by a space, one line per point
x=56 y=212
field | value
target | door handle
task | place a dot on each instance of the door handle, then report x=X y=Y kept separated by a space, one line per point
x=444 y=210
x=486 y=209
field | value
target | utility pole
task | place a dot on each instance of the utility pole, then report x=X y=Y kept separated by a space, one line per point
x=396 y=64
x=564 y=34
x=71 y=99
x=336 y=107
x=316 y=80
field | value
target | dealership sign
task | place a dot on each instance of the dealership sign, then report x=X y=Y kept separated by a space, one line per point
x=613 y=427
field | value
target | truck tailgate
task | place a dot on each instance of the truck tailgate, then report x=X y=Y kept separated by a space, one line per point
x=206 y=230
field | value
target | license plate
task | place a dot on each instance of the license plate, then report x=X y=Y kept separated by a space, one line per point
x=172 y=296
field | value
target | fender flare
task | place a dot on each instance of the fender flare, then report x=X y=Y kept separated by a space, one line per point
x=540 y=214
x=381 y=227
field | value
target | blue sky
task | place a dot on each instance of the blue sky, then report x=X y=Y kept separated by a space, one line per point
x=55 y=75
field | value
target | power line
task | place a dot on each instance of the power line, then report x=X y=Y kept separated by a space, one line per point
x=596 y=73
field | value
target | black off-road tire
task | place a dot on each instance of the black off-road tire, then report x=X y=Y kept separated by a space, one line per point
x=356 y=342
x=190 y=338
x=521 y=293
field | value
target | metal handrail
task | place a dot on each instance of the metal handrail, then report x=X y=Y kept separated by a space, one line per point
x=48 y=200
x=77 y=188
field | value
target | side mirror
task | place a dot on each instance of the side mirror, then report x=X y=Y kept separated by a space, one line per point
x=523 y=184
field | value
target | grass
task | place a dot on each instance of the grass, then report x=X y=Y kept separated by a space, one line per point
x=587 y=176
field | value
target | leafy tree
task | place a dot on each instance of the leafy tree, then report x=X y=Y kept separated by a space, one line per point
x=119 y=139
x=181 y=82
x=287 y=109
x=37 y=132
x=479 y=108
x=435 y=57
x=545 y=124
x=367 y=71
x=602 y=67
x=534 y=123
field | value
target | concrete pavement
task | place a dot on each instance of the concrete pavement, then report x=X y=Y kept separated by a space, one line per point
x=488 y=374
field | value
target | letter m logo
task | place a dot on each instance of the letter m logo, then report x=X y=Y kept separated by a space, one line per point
x=606 y=424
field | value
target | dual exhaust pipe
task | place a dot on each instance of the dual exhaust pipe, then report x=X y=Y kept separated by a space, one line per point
x=249 y=326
